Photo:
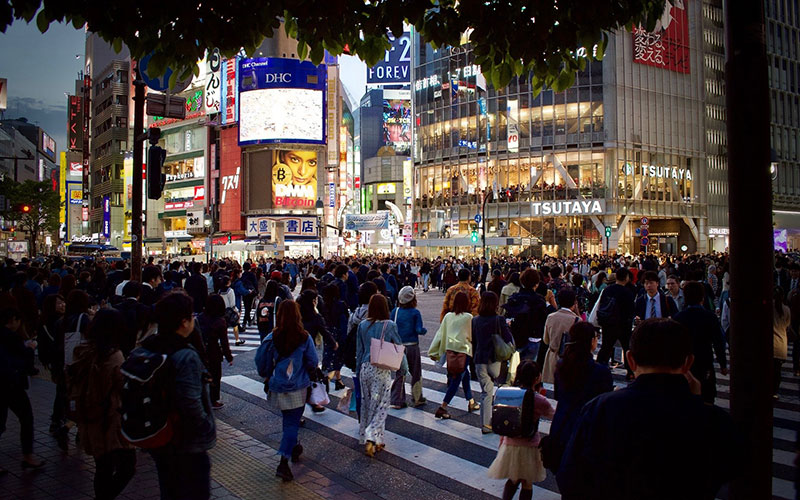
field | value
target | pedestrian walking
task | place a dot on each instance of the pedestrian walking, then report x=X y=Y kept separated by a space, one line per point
x=95 y=386
x=518 y=459
x=453 y=343
x=555 y=329
x=375 y=382
x=214 y=332
x=485 y=326
x=290 y=363
x=231 y=311
x=409 y=326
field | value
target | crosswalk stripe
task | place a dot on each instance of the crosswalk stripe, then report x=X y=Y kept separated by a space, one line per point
x=433 y=459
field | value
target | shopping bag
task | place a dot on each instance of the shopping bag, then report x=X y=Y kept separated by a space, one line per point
x=344 y=402
x=512 y=369
x=318 y=394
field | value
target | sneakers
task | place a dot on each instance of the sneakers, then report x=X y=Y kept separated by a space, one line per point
x=217 y=405
x=240 y=342
x=284 y=472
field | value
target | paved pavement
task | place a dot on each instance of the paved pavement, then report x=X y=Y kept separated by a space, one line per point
x=424 y=458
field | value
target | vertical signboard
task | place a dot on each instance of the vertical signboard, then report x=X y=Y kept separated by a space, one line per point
x=213 y=82
x=333 y=156
x=408 y=167
x=75 y=123
x=106 y=217
x=512 y=114
x=230 y=91
x=396 y=64
x=667 y=46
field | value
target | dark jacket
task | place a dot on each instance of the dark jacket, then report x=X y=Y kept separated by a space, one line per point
x=624 y=304
x=137 y=320
x=668 y=306
x=149 y=295
x=16 y=360
x=315 y=325
x=653 y=440
x=197 y=288
x=571 y=401
x=707 y=339
x=531 y=323
x=196 y=432
x=351 y=297
x=483 y=329
x=215 y=337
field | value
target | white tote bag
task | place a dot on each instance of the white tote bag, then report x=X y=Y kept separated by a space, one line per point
x=385 y=355
x=318 y=394
x=593 y=315
x=71 y=341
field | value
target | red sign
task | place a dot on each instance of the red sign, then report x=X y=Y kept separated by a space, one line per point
x=75 y=124
x=357 y=182
x=85 y=214
x=668 y=46
x=199 y=193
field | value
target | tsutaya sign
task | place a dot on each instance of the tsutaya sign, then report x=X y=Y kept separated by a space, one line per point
x=660 y=172
x=568 y=207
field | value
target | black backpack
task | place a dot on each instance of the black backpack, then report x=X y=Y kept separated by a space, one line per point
x=518 y=309
x=148 y=415
x=512 y=412
x=607 y=311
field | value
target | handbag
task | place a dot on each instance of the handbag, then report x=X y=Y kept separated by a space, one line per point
x=231 y=316
x=385 y=355
x=502 y=350
x=344 y=401
x=71 y=341
x=456 y=362
x=318 y=395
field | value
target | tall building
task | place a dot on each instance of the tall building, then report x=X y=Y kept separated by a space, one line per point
x=29 y=152
x=623 y=151
x=782 y=24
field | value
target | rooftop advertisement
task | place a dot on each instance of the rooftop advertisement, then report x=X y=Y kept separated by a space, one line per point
x=281 y=101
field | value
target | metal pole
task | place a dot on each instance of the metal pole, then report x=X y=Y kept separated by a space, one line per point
x=751 y=261
x=136 y=195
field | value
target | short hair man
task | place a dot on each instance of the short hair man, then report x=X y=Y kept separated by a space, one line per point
x=463 y=285
x=655 y=439
x=654 y=303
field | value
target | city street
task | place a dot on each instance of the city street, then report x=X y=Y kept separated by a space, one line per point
x=425 y=458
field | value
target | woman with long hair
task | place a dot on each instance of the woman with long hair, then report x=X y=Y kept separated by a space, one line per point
x=53 y=307
x=231 y=312
x=365 y=293
x=214 y=332
x=334 y=312
x=265 y=311
x=781 y=319
x=315 y=325
x=453 y=340
x=289 y=365
x=376 y=383
x=513 y=286
x=97 y=370
x=578 y=379
x=485 y=326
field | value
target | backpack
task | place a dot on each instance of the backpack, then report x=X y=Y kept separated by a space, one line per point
x=512 y=412
x=266 y=315
x=565 y=339
x=85 y=401
x=148 y=415
x=607 y=311
x=518 y=310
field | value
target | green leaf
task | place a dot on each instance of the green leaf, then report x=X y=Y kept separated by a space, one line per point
x=564 y=80
x=117 y=45
x=302 y=50
x=42 y=22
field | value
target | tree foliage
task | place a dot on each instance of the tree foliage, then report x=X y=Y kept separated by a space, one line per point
x=45 y=207
x=510 y=37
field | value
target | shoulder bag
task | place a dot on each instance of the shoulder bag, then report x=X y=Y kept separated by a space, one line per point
x=502 y=350
x=385 y=355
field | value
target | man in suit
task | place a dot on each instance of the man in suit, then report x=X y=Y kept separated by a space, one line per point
x=654 y=303
x=706 y=334
x=197 y=287
x=151 y=278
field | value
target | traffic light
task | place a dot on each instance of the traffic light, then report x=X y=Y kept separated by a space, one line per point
x=474 y=236
x=608 y=231
x=229 y=237
x=155 y=177
x=23 y=208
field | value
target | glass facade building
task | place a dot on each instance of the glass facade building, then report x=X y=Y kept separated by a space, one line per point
x=624 y=147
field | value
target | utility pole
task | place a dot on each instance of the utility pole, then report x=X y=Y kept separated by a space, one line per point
x=751 y=246
x=136 y=195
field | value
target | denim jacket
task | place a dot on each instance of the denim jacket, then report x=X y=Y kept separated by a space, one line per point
x=303 y=361
x=409 y=324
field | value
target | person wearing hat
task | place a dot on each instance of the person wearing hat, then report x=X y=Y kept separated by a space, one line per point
x=284 y=292
x=409 y=326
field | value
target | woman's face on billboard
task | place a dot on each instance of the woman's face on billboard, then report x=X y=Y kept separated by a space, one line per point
x=303 y=165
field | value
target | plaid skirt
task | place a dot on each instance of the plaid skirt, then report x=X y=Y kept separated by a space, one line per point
x=289 y=400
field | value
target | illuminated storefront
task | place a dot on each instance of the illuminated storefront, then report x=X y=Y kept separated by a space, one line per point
x=557 y=168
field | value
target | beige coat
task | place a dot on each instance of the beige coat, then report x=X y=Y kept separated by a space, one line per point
x=780 y=340
x=556 y=325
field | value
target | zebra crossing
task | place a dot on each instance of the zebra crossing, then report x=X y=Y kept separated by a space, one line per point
x=462 y=453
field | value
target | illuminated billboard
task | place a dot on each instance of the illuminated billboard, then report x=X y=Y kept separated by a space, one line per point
x=397 y=125
x=667 y=46
x=294 y=179
x=281 y=100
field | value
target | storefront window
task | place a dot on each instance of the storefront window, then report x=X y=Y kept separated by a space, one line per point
x=192 y=168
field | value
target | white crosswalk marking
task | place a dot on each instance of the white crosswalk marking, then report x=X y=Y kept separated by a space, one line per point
x=464 y=428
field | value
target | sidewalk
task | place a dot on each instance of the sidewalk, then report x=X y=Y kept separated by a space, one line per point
x=242 y=467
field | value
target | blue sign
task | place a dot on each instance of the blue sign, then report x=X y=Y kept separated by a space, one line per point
x=366 y=222
x=281 y=101
x=106 y=216
x=161 y=83
x=645 y=232
x=396 y=64
x=478 y=218
x=332 y=195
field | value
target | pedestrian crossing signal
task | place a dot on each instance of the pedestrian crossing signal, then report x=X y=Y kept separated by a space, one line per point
x=474 y=236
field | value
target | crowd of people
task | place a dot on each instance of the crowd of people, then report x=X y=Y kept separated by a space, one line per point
x=505 y=321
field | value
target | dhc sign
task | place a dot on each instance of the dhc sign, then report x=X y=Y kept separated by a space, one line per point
x=568 y=207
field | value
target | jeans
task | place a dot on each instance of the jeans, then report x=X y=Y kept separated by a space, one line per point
x=486 y=374
x=291 y=428
x=183 y=476
x=399 y=384
x=425 y=278
x=453 y=381
x=113 y=471
x=16 y=400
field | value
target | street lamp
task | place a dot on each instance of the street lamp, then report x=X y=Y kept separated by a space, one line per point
x=319 y=208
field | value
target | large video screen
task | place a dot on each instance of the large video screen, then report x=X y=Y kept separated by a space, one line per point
x=397 y=125
x=294 y=178
x=281 y=115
